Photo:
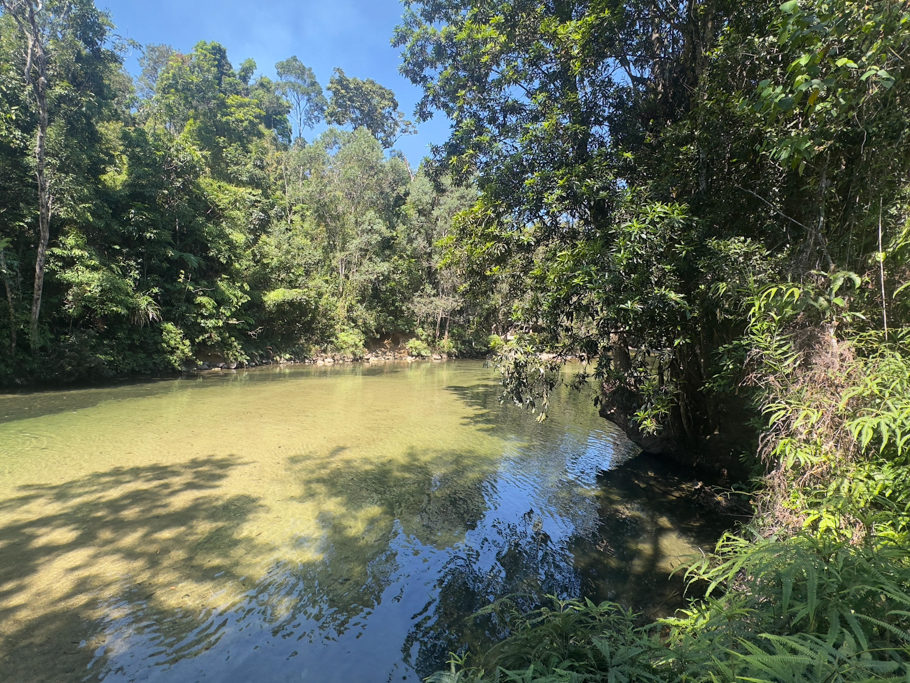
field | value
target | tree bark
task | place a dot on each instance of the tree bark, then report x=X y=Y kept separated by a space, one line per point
x=44 y=201
x=9 y=301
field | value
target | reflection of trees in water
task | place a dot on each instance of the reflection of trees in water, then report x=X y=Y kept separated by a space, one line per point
x=651 y=521
x=172 y=519
x=646 y=510
x=423 y=502
x=514 y=559
x=434 y=496
x=432 y=502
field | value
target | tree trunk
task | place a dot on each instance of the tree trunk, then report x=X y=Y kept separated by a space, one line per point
x=44 y=203
x=622 y=360
x=819 y=235
x=9 y=301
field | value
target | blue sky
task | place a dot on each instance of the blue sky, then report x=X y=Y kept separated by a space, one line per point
x=352 y=34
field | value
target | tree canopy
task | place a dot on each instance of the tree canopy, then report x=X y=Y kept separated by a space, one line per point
x=365 y=103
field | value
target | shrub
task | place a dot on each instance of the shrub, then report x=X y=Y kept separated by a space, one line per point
x=418 y=347
x=447 y=345
x=349 y=342
x=176 y=346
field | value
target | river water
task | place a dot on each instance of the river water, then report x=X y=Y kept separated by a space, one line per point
x=301 y=523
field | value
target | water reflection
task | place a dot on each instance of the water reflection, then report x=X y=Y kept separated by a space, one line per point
x=368 y=516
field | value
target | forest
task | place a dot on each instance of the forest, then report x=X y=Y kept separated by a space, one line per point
x=708 y=201
x=152 y=225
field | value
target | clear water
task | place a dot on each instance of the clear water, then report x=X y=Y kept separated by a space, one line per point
x=299 y=523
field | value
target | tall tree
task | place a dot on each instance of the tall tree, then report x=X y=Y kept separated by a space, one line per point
x=62 y=40
x=299 y=85
x=368 y=104
x=35 y=72
x=153 y=61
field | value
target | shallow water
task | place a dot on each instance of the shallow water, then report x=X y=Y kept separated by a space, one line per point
x=303 y=523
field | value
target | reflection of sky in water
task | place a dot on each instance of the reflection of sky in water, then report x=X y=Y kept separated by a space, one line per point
x=382 y=582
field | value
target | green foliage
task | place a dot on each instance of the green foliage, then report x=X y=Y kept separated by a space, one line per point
x=349 y=342
x=495 y=343
x=711 y=199
x=176 y=346
x=299 y=85
x=835 y=401
x=800 y=609
x=365 y=103
x=569 y=640
x=418 y=347
x=187 y=228
x=447 y=345
x=527 y=376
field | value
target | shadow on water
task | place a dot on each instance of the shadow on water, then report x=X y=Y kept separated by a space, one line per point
x=115 y=532
x=435 y=496
x=653 y=521
x=484 y=400
x=137 y=544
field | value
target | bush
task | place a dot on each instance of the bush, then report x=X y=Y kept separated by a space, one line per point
x=176 y=346
x=800 y=609
x=349 y=342
x=418 y=347
x=447 y=345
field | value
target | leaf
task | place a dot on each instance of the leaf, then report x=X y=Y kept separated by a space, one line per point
x=790 y=6
x=886 y=78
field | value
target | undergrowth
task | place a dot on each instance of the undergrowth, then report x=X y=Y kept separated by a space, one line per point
x=817 y=586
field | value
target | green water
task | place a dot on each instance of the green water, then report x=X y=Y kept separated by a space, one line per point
x=305 y=523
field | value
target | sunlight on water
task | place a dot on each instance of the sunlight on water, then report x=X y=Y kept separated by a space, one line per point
x=302 y=523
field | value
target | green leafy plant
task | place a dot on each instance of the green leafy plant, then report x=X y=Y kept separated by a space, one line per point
x=418 y=348
x=349 y=342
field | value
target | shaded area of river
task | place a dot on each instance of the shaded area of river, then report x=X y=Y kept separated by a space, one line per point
x=309 y=524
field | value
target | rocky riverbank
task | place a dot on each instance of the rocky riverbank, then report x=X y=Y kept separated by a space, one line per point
x=377 y=357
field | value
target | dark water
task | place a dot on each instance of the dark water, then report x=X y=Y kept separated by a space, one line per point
x=310 y=524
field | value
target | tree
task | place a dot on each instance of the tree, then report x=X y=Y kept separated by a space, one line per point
x=35 y=72
x=366 y=103
x=299 y=85
x=153 y=61
x=57 y=35
x=185 y=225
x=200 y=95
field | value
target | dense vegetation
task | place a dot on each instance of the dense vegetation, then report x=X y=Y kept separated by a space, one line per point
x=147 y=226
x=709 y=199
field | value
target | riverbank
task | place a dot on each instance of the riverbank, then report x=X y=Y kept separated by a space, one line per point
x=374 y=357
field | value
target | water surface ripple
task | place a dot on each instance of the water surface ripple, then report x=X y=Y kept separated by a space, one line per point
x=338 y=524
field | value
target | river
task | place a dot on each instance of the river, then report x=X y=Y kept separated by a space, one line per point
x=303 y=523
